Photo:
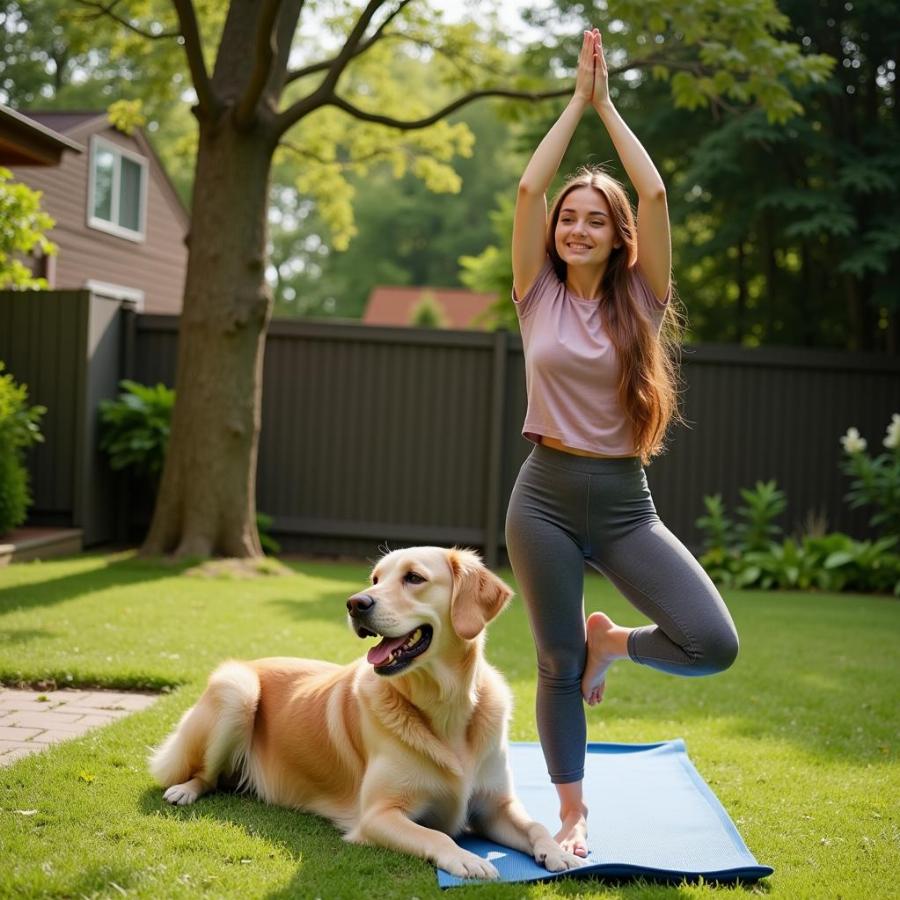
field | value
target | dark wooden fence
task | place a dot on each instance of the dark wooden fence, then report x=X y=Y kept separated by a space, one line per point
x=402 y=435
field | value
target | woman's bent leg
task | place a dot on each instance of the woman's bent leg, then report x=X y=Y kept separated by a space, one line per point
x=694 y=633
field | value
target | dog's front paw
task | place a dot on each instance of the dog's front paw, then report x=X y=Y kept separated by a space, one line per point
x=464 y=864
x=181 y=794
x=554 y=859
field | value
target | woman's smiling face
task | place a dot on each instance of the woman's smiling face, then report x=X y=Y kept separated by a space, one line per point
x=584 y=230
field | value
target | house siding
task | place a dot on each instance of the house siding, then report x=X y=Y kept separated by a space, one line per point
x=155 y=265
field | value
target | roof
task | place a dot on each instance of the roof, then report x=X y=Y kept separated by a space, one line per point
x=25 y=140
x=65 y=120
x=389 y=305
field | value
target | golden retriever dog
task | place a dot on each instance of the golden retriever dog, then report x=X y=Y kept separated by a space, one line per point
x=402 y=749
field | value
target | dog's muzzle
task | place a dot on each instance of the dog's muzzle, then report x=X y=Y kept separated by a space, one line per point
x=359 y=606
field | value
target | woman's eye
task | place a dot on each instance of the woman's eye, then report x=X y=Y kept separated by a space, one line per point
x=413 y=578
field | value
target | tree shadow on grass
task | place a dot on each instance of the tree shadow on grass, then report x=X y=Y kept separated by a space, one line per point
x=113 y=573
x=328 y=866
x=23 y=635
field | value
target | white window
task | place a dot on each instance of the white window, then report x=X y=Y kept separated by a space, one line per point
x=117 y=195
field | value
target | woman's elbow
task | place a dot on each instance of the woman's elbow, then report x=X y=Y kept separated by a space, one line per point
x=528 y=188
x=655 y=194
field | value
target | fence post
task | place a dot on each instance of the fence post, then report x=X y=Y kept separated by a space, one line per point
x=496 y=430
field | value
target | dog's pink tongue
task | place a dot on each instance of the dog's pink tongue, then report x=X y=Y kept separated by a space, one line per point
x=380 y=652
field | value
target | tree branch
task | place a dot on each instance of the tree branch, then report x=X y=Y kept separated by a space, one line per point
x=328 y=63
x=348 y=51
x=412 y=124
x=108 y=11
x=303 y=107
x=266 y=48
x=325 y=91
x=193 y=48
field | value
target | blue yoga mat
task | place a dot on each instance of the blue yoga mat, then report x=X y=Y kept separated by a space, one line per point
x=651 y=815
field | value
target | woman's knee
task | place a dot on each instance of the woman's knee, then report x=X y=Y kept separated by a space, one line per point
x=716 y=650
x=561 y=668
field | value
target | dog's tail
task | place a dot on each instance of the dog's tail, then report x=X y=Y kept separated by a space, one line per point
x=214 y=736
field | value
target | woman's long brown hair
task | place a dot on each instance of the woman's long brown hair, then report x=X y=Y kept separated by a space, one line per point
x=649 y=363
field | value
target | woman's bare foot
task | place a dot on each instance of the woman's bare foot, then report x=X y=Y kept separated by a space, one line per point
x=572 y=837
x=606 y=642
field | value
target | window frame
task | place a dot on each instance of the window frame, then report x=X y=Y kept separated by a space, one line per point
x=100 y=143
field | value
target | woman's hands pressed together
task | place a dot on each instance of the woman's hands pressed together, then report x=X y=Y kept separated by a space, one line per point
x=592 y=78
x=587 y=63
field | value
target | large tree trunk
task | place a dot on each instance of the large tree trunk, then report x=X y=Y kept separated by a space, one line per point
x=206 y=502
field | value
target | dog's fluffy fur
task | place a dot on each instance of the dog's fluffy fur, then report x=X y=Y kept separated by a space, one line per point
x=400 y=750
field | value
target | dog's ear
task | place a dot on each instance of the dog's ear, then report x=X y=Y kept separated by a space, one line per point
x=478 y=594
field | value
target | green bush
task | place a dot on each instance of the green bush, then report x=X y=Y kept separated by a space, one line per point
x=875 y=481
x=134 y=429
x=719 y=539
x=15 y=498
x=134 y=432
x=19 y=429
x=761 y=508
x=742 y=556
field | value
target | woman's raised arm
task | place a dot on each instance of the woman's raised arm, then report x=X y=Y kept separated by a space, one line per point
x=529 y=247
x=653 y=237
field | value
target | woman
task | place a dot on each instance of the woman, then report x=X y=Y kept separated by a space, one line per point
x=593 y=295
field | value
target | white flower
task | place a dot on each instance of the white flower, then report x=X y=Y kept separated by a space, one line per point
x=892 y=440
x=852 y=442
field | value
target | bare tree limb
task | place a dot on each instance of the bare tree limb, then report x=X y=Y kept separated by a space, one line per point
x=193 y=48
x=307 y=104
x=328 y=63
x=412 y=124
x=108 y=10
x=266 y=48
x=325 y=91
x=348 y=51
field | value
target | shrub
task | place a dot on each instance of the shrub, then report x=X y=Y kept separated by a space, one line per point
x=19 y=429
x=875 y=481
x=134 y=432
x=718 y=557
x=762 y=506
x=135 y=428
x=743 y=557
x=15 y=497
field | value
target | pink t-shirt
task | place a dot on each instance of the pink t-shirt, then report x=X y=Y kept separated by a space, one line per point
x=571 y=366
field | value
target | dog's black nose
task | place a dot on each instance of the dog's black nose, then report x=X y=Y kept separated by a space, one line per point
x=360 y=603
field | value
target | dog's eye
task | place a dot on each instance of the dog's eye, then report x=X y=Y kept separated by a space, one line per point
x=374 y=579
x=413 y=578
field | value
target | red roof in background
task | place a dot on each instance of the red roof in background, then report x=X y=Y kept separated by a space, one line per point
x=394 y=305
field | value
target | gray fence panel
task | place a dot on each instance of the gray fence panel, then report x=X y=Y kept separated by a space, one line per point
x=42 y=339
x=367 y=431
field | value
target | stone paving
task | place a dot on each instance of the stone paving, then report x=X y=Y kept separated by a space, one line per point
x=30 y=721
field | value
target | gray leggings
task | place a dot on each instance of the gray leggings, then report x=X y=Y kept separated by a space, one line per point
x=566 y=510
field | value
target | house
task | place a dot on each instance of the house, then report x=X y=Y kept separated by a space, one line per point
x=398 y=305
x=120 y=225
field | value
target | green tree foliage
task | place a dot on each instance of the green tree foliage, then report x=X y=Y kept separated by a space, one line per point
x=23 y=227
x=428 y=313
x=406 y=235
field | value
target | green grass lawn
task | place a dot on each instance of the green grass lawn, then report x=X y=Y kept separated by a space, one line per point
x=799 y=739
